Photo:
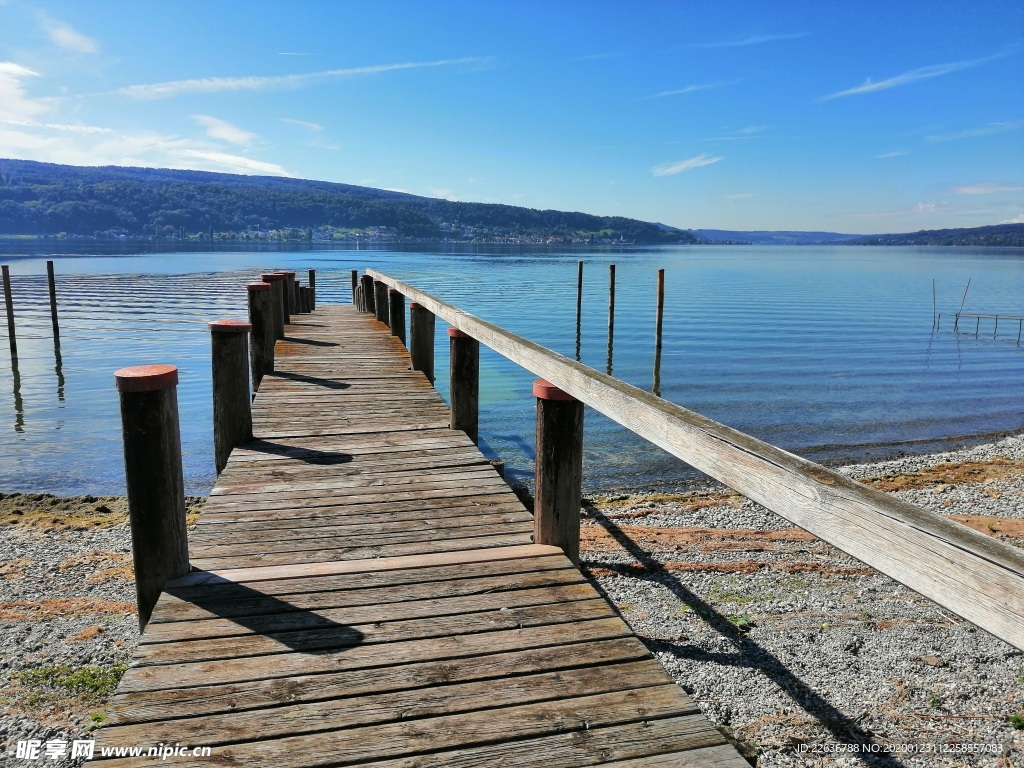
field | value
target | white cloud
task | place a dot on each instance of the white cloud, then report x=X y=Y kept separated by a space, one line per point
x=225 y=131
x=985 y=188
x=444 y=194
x=14 y=103
x=316 y=127
x=261 y=83
x=914 y=75
x=990 y=129
x=71 y=128
x=689 y=89
x=67 y=37
x=233 y=163
x=751 y=40
x=1018 y=219
x=684 y=165
x=887 y=155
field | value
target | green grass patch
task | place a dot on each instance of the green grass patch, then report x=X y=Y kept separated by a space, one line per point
x=91 y=684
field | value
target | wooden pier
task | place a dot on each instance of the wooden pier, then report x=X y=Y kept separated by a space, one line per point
x=370 y=594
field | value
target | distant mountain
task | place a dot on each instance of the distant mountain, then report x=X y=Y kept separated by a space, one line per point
x=53 y=200
x=997 y=235
x=761 y=237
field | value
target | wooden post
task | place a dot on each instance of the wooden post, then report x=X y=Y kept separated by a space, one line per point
x=465 y=382
x=286 y=312
x=276 y=280
x=52 y=284
x=611 y=299
x=9 y=302
x=232 y=412
x=290 y=291
x=355 y=284
x=261 y=343
x=661 y=309
x=312 y=290
x=421 y=339
x=307 y=293
x=156 y=487
x=559 y=471
x=357 y=298
x=579 y=293
x=380 y=300
x=368 y=297
x=396 y=312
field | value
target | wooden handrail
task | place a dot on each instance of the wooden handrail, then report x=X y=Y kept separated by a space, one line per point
x=966 y=572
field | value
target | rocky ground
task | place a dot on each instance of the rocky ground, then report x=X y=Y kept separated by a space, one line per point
x=789 y=646
x=792 y=647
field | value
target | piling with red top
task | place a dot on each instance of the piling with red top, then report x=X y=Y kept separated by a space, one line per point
x=465 y=382
x=232 y=411
x=559 y=469
x=261 y=318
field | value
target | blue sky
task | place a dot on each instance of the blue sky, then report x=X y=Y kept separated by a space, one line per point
x=851 y=117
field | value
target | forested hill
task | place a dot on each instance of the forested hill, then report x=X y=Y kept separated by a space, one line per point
x=48 y=199
x=997 y=235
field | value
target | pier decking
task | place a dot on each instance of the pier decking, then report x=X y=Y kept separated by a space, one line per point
x=370 y=595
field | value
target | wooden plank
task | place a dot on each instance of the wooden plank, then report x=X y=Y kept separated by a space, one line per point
x=249 y=575
x=291 y=719
x=182 y=703
x=287 y=664
x=971 y=574
x=578 y=714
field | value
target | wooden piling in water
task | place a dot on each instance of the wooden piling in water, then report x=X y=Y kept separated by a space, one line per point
x=232 y=412
x=421 y=340
x=276 y=281
x=292 y=308
x=9 y=304
x=579 y=293
x=156 y=486
x=558 y=475
x=312 y=290
x=369 y=299
x=661 y=309
x=355 y=284
x=380 y=301
x=261 y=342
x=611 y=300
x=465 y=382
x=51 y=283
x=396 y=313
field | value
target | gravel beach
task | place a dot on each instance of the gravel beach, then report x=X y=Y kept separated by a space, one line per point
x=789 y=646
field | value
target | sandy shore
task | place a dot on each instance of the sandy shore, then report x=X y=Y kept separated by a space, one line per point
x=785 y=643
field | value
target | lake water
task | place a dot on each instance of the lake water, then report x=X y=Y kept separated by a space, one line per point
x=828 y=352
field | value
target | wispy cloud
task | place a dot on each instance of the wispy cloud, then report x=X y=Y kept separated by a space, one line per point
x=887 y=155
x=913 y=76
x=262 y=83
x=690 y=89
x=1018 y=219
x=67 y=37
x=984 y=130
x=316 y=127
x=750 y=40
x=598 y=56
x=750 y=132
x=234 y=163
x=684 y=165
x=14 y=102
x=985 y=188
x=66 y=127
x=292 y=53
x=742 y=196
x=225 y=131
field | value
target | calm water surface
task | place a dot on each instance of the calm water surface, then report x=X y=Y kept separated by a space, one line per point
x=828 y=352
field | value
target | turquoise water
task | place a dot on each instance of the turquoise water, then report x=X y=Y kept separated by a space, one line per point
x=828 y=352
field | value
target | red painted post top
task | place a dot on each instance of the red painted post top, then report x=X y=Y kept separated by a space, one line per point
x=286 y=273
x=393 y=290
x=455 y=333
x=545 y=390
x=253 y=287
x=272 y=276
x=230 y=326
x=146 y=378
x=378 y=282
x=415 y=305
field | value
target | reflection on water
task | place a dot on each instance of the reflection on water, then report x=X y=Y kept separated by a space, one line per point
x=827 y=352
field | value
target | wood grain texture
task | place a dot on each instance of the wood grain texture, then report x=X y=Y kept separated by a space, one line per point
x=964 y=571
x=372 y=595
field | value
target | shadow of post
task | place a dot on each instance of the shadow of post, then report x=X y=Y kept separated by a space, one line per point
x=748 y=653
